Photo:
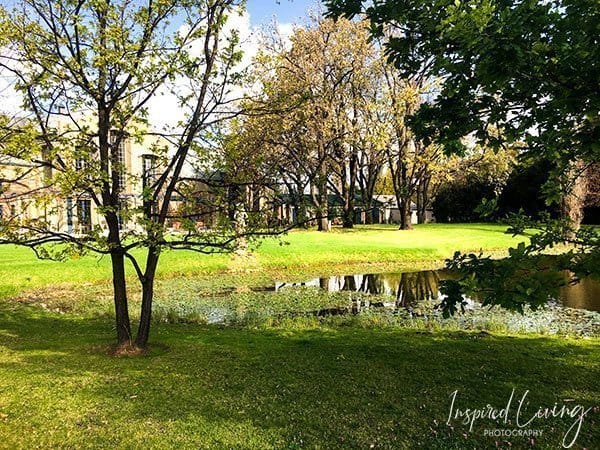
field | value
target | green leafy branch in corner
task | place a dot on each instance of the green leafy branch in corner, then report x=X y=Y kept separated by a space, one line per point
x=530 y=275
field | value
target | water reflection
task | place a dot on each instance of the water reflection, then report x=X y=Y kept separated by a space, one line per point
x=583 y=295
x=409 y=288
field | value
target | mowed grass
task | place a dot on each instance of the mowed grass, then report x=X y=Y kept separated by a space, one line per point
x=289 y=385
x=341 y=387
x=375 y=248
x=384 y=243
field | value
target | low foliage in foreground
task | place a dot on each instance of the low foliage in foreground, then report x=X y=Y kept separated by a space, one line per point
x=181 y=301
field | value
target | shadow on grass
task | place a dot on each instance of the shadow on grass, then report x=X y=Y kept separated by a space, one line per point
x=478 y=227
x=237 y=388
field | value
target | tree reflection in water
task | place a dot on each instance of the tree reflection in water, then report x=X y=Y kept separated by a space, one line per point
x=409 y=288
x=416 y=286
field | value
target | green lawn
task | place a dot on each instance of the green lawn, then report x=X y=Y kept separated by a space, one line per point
x=289 y=383
x=341 y=387
x=377 y=248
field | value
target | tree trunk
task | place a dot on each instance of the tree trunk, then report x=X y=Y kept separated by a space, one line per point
x=348 y=221
x=422 y=200
x=120 y=299
x=401 y=181
x=405 y=216
x=322 y=218
x=322 y=207
x=323 y=224
x=574 y=200
x=367 y=176
x=240 y=226
x=369 y=219
x=348 y=207
x=297 y=197
x=141 y=339
x=301 y=215
x=368 y=200
x=421 y=216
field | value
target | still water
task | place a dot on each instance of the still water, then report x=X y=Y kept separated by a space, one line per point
x=409 y=288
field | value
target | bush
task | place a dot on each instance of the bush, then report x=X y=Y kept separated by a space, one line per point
x=456 y=201
x=523 y=190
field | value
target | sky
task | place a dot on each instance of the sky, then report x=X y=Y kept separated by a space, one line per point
x=285 y=11
x=258 y=14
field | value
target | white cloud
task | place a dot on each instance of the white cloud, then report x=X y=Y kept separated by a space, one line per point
x=164 y=110
x=10 y=100
x=286 y=30
x=240 y=22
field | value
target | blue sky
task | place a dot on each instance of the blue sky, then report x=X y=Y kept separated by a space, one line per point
x=286 y=11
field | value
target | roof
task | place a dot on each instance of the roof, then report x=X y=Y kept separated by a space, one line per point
x=385 y=199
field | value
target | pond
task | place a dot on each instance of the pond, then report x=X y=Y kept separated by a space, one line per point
x=408 y=299
x=409 y=288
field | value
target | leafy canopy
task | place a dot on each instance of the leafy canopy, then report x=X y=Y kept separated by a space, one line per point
x=530 y=69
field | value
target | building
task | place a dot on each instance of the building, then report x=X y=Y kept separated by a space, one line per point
x=386 y=210
x=30 y=192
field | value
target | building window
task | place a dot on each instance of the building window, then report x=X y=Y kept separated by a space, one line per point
x=84 y=215
x=80 y=164
x=149 y=170
x=70 y=215
x=117 y=139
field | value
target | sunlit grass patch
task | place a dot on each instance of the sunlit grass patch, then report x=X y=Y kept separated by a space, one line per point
x=298 y=254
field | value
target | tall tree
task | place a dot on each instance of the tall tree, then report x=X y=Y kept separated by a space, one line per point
x=411 y=161
x=371 y=143
x=87 y=71
x=317 y=85
x=512 y=71
x=403 y=97
x=528 y=69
